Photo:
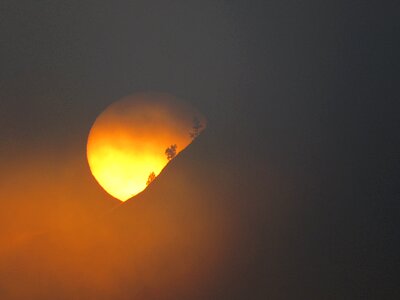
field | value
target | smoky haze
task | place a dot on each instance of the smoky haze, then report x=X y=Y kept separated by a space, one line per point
x=295 y=181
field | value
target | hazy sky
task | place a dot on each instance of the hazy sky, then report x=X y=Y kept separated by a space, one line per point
x=304 y=90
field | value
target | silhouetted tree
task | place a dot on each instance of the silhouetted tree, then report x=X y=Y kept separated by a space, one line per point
x=152 y=176
x=196 y=128
x=170 y=152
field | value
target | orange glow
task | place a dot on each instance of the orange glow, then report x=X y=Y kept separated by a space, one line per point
x=128 y=140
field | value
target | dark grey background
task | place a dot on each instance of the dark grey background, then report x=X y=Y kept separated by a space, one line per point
x=308 y=89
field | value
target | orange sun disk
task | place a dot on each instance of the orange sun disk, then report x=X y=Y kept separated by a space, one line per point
x=127 y=142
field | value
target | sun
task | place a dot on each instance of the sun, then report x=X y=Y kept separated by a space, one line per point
x=133 y=139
